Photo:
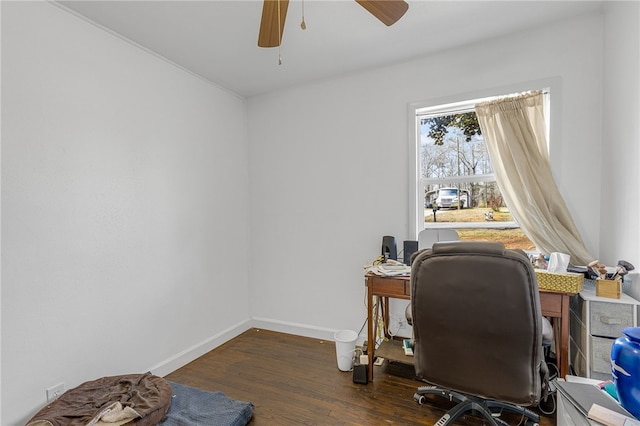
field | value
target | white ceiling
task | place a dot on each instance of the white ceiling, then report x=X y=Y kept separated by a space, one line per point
x=217 y=40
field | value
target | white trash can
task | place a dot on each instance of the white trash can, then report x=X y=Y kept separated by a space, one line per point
x=345 y=347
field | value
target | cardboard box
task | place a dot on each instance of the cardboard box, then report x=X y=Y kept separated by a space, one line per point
x=609 y=288
x=567 y=282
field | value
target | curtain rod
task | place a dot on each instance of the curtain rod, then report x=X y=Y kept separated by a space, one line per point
x=461 y=107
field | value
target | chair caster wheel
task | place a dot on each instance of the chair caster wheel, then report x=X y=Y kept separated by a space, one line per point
x=420 y=399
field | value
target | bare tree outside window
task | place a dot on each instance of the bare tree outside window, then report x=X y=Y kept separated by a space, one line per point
x=458 y=182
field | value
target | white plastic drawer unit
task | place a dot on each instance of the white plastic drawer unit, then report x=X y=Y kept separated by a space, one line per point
x=595 y=323
x=607 y=319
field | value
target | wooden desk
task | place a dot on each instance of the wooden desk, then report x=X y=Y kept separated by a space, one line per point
x=553 y=304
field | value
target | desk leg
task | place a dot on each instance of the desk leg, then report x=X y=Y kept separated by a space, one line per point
x=563 y=361
x=370 y=333
x=561 y=336
x=385 y=317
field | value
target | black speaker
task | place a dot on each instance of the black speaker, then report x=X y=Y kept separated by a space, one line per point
x=389 y=249
x=360 y=374
x=410 y=247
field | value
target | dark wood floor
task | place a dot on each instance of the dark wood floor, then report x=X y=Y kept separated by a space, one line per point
x=293 y=380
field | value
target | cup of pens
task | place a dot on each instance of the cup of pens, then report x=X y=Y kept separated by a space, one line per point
x=608 y=279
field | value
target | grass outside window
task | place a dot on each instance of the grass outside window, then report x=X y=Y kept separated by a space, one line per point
x=512 y=238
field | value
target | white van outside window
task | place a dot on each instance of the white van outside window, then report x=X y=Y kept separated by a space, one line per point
x=447 y=198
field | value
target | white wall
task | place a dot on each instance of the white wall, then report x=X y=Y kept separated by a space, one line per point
x=620 y=207
x=124 y=209
x=329 y=163
x=126 y=185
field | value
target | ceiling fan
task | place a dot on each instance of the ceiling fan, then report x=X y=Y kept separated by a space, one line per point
x=274 y=13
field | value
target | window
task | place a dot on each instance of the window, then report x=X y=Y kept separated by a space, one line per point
x=455 y=183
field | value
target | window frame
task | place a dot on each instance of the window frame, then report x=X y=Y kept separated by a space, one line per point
x=460 y=103
x=440 y=111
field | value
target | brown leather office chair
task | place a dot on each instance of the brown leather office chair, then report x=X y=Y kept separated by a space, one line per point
x=478 y=330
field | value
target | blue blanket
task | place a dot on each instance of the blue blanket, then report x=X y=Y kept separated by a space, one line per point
x=196 y=407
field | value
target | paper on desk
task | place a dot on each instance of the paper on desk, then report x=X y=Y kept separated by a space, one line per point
x=610 y=418
x=389 y=270
x=578 y=379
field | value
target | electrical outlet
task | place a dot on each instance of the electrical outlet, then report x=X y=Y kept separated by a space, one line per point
x=55 y=391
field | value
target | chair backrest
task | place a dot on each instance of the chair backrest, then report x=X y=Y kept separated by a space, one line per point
x=427 y=237
x=477 y=321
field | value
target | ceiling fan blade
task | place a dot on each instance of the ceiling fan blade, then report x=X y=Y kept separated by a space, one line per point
x=270 y=33
x=387 y=11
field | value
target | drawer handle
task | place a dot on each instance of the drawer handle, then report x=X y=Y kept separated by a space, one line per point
x=610 y=320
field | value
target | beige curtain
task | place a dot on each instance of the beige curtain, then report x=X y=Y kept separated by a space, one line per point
x=515 y=133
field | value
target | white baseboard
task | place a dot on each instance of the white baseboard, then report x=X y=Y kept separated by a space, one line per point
x=183 y=358
x=305 y=330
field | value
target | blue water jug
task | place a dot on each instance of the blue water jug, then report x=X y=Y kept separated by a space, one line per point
x=625 y=368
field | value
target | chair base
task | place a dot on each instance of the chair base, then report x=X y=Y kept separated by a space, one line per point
x=488 y=409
